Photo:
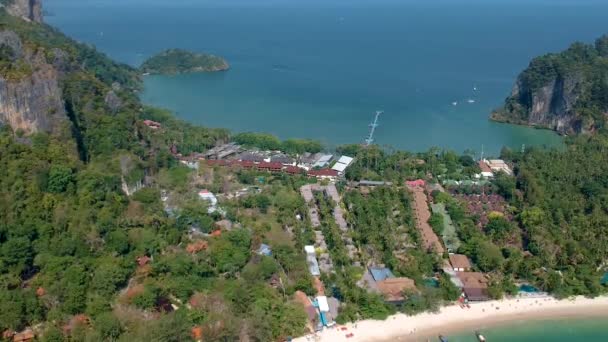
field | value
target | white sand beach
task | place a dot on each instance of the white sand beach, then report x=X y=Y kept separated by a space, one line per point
x=454 y=318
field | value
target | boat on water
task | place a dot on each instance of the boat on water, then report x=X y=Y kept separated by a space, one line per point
x=471 y=101
x=480 y=337
x=442 y=338
x=454 y=103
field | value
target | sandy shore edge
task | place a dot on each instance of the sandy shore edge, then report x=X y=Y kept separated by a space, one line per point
x=454 y=319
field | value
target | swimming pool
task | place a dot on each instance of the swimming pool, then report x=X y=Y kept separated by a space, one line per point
x=431 y=282
x=528 y=288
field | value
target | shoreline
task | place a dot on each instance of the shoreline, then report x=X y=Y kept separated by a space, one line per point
x=454 y=319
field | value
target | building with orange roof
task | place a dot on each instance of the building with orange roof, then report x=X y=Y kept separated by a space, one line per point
x=197 y=333
x=475 y=286
x=8 y=334
x=197 y=246
x=460 y=263
x=24 y=336
x=422 y=215
x=311 y=312
x=393 y=288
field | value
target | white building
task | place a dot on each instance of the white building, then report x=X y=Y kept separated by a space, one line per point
x=194 y=165
x=487 y=175
x=309 y=249
x=311 y=260
x=323 y=304
x=499 y=165
x=208 y=196
x=323 y=161
x=342 y=164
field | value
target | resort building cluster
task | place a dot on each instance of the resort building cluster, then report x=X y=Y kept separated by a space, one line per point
x=315 y=165
x=329 y=170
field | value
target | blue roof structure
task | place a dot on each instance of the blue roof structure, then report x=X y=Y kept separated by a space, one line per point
x=381 y=273
x=604 y=280
x=265 y=250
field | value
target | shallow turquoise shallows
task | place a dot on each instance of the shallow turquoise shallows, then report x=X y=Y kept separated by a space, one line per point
x=320 y=69
x=550 y=331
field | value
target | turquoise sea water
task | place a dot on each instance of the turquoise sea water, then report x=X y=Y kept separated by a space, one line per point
x=540 y=331
x=319 y=69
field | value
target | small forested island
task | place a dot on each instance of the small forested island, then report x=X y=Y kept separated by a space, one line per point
x=178 y=61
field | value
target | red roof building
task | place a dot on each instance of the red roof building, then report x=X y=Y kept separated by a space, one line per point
x=323 y=173
x=416 y=183
x=247 y=164
x=152 y=124
x=213 y=162
x=272 y=167
x=484 y=167
x=143 y=260
x=294 y=170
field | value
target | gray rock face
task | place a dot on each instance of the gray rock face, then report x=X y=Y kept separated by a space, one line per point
x=26 y=9
x=113 y=101
x=32 y=102
x=11 y=40
x=551 y=106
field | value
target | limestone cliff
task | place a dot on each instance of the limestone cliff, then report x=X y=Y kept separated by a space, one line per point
x=550 y=106
x=30 y=94
x=566 y=92
x=26 y=9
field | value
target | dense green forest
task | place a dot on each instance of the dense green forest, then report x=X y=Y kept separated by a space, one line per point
x=71 y=241
x=178 y=61
x=269 y=142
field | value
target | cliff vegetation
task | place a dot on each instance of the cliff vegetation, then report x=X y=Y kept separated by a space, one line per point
x=177 y=61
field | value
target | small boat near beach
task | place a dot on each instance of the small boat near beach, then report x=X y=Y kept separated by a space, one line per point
x=442 y=338
x=480 y=337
